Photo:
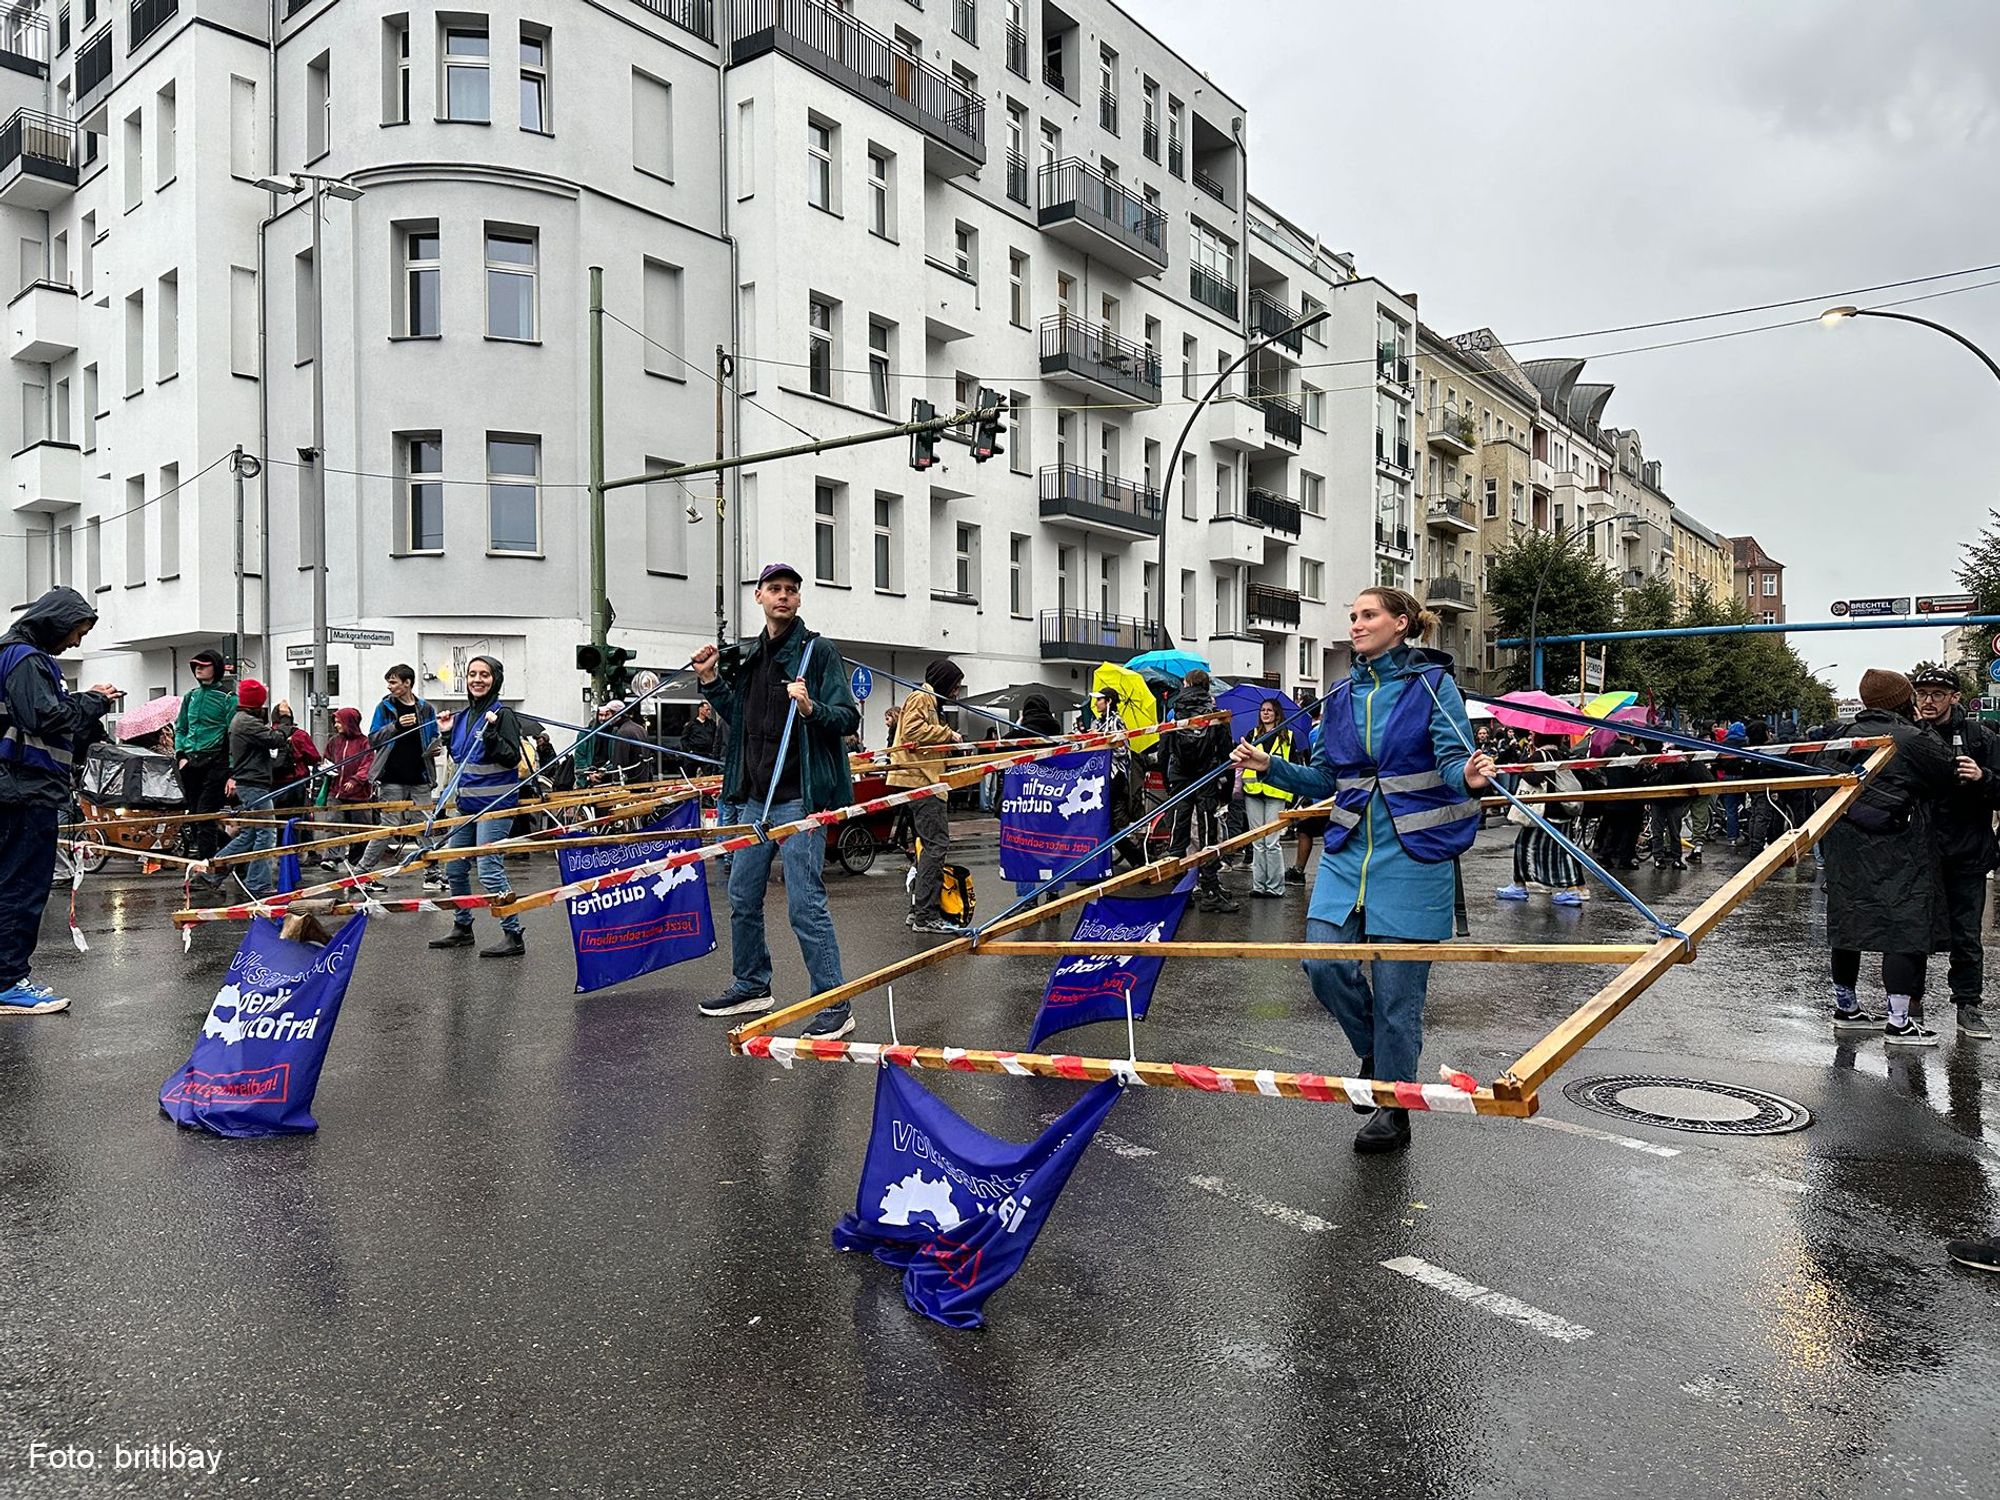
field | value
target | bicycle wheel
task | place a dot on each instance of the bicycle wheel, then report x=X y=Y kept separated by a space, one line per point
x=855 y=849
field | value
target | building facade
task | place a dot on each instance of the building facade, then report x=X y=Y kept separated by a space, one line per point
x=1759 y=580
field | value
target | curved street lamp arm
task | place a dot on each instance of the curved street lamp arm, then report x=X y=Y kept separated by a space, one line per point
x=1951 y=333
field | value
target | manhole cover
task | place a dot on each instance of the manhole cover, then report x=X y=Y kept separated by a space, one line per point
x=1689 y=1104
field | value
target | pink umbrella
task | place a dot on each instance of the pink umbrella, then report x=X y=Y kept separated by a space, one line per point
x=152 y=715
x=1520 y=711
x=1601 y=740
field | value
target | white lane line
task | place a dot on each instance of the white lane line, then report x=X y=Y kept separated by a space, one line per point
x=1486 y=1299
x=1295 y=1218
x=1117 y=1145
x=1604 y=1135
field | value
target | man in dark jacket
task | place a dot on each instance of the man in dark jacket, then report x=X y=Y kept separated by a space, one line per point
x=1881 y=865
x=199 y=733
x=1200 y=756
x=703 y=738
x=783 y=676
x=40 y=725
x=1964 y=831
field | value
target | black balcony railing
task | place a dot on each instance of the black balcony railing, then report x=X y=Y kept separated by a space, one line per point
x=1086 y=495
x=1396 y=455
x=867 y=64
x=1017 y=51
x=42 y=144
x=1078 y=635
x=697 y=16
x=93 y=63
x=1273 y=317
x=1452 y=508
x=24 y=41
x=148 y=16
x=1107 y=110
x=1282 y=418
x=1273 y=605
x=1276 y=511
x=1174 y=158
x=1093 y=351
x=1392 y=366
x=1448 y=589
x=1149 y=139
x=1210 y=290
x=1073 y=189
x=1017 y=177
x=1389 y=535
x=1451 y=423
x=1054 y=77
x=1210 y=186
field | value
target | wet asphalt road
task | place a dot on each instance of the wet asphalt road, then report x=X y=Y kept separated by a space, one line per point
x=551 y=1245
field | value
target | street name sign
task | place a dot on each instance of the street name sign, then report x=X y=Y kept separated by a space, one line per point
x=1946 y=604
x=353 y=635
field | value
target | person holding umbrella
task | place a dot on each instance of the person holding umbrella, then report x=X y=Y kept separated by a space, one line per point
x=1395 y=754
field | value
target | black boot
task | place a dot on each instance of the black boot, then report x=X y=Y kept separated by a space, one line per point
x=1365 y=1070
x=509 y=946
x=458 y=937
x=1386 y=1130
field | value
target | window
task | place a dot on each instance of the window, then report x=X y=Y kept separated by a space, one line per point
x=1017 y=152
x=93 y=554
x=827 y=498
x=1019 y=561
x=1107 y=585
x=1018 y=460
x=1492 y=499
x=535 y=80
x=422 y=283
x=746 y=349
x=168 y=354
x=746 y=148
x=166 y=134
x=881 y=207
x=1188 y=499
x=169 y=506
x=90 y=408
x=1107 y=89
x=1176 y=127
x=1518 y=502
x=1150 y=470
x=819 y=345
x=1149 y=588
x=1312 y=493
x=1770 y=585
x=510 y=284
x=965 y=561
x=513 y=497
x=135 y=160
x=1065 y=424
x=135 y=531
x=467 y=75
x=965 y=20
x=396 y=70
x=1065 y=579
x=878 y=366
x=1308 y=658
x=246 y=130
x=1314 y=400
x=1311 y=575
x=1190 y=362
x=1149 y=133
x=965 y=251
x=670 y=511
x=62 y=29
x=62 y=411
x=653 y=128
x=886 y=507
x=86 y=255
x=135 y=343
x=1051 y=145
x=1188 y=600
x=819 y=165
x=1225 y=490
x=34 y=413
x=665 y=319
x=305 y=309
x=319 y=106
x=1017 y=288
x=423 y=492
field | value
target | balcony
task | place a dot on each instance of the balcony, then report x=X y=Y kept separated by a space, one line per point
x=1236 y=422
x=24 y=42
x=1284 y=421
x=1392 y=455
x=1210 y=186
x=41 y=323
x=1449 y=430
x=871 y=67
x=1088 y=357
x=1271 y=608
x=147 y=17
x=1053 y=76
x=1635 y=578
x=46 y=475
x=1276 y=513
x=1017 y=177
x=1084 y=210
x=93 y=77
x=1078 y=635
x=697 y=16
x=1392 y=539
x=1273 y=318
x=1392 y=366
x=1102 y=504
x=1017 y=51
x=1149 y=139
x=1107 y=110
x=1236 y=539
x=1448 y=591
x=1451 y=513
x=951 y=302
x=38 y=160
x=1210 y=290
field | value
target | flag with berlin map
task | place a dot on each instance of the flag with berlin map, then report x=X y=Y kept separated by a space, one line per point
x=638 y=926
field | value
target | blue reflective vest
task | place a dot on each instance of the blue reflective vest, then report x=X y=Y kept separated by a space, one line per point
x=1432 y=822
x=483 y=785
x=17 y=744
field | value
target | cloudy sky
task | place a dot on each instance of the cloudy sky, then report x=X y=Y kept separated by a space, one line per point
x=1554 y=167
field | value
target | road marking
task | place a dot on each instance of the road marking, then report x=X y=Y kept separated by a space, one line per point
x=1486 y=1299
x=1604 y=1135
x=1117 y=1145
x=1295 y=1218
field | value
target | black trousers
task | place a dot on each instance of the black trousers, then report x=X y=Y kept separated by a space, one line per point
x=933 y=825
x=1965 y=902
x=1902 y=973
x=202 y=779
x=1622 y=822
x=27 y=865
x=1206 y=805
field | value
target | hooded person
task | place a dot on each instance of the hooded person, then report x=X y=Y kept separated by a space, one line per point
x=260 y=754
x=41 y=725
x=1200 y=756
x=351 y=754
x=201 y=748
x=1882 y=887
x=485 y=740
x=916 y=758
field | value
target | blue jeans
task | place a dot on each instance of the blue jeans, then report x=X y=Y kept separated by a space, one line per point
x=492 y=867
x=805 y=900
x=27 y=865
x=1732 y=813
x=258 y=874
x=1385 y=1021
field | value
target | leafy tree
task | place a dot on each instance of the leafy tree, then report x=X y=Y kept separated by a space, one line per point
x=1578 y=594
x=1673 y=673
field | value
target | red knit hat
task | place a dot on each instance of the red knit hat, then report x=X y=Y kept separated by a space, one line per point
x=250 y=693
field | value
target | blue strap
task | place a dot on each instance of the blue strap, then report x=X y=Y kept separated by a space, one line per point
x=784 y=744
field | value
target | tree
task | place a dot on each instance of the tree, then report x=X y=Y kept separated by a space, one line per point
x=1578 y=595
x=1673 y=673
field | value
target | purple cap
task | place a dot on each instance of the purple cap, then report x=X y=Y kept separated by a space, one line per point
x=779 y=570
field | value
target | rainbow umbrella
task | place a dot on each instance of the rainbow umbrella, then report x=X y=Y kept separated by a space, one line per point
x=1604 y=705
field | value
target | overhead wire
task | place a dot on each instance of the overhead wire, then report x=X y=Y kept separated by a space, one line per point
x=37 y=536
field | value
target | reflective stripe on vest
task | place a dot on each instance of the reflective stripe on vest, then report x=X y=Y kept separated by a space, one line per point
x=19 y=746
x=1432 y=822
x=484 y=782
x=1281 y=749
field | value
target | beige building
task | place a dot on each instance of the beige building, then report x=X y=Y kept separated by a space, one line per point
x=1701 y=557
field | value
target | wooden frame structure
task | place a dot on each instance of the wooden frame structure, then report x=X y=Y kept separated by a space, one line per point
x=1514 y=1093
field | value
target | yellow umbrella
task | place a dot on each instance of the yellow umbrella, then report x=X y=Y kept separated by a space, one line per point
x=1608 y=703
x=1135 y=699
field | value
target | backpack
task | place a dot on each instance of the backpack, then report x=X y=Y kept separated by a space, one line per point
x=956 y=898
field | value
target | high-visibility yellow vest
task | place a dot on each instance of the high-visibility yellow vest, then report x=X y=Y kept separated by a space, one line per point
x=1281 y=749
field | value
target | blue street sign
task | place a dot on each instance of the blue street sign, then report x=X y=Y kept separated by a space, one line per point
x=1993 y=670
x=862 y=683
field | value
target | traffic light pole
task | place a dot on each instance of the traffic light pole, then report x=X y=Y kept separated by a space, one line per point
x=600 y=605
x=723 y=372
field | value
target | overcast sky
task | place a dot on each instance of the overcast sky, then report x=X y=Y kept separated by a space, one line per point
x=1547 y=168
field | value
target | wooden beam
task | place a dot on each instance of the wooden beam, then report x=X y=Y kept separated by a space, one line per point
x=1685 y=789
x=1497 y=953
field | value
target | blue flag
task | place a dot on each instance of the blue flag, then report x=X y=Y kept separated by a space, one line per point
x=627 y=930
x=290 y=877
x=956 y=1208
x=1093 y=988
x=256 y=1063
x=1053 y=812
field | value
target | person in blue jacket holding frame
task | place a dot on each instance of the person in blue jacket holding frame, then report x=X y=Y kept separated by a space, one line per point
x=1395 y=753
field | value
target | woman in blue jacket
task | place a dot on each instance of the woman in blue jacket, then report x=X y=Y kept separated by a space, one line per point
x=1393 y=753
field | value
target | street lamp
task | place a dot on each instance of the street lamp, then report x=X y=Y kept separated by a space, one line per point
x=1835 y=316
x=317 y=700
x=1541 y=578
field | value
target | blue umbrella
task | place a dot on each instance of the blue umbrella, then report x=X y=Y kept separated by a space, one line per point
x=1243 y=700
x=1173 y=664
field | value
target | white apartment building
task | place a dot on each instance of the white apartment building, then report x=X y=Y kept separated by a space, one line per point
x=860 y=205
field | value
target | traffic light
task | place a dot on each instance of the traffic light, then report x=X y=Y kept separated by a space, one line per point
x=333 y=679
x=923 y=445
x=618 y=670
x=588 y=658
x=989 y=426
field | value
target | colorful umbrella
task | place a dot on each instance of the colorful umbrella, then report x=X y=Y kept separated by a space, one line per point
x=1605 y=704
x=1135 y=700
x=1174 y=664
x=1246 y=698
x=1601 y=740
x=149 y=717
x=1522 y=710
